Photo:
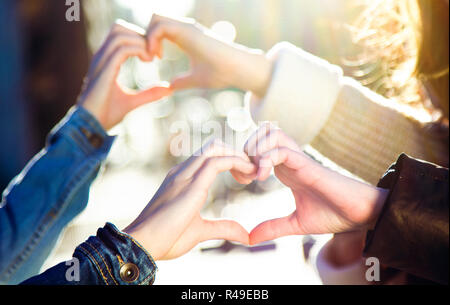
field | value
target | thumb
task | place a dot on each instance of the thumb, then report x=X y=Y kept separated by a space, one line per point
x=225 y=229
x=149 y=95
x=182 y=82
x=272 y=229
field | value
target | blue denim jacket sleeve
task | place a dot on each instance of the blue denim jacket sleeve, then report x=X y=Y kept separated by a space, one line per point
x=109 y=258
x=51 y=190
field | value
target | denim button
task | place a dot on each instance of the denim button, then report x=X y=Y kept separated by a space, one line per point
x=95 y=140
x=129 y=272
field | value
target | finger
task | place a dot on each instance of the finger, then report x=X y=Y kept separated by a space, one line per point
x=242 y=178
x=272 y=229
x=160 y=27
x=122 y=26
x=165 y=28
x=155 y=34
x=206 y=175
x=147 y=96
x=224 y=229
x=120 y=55
x=273 y=139
x=214 y=148
x=118 y=40
x=121 y=34
x=219 y=148
x=267 y=137
x=221 y=151
x=280 y=156
x=183 y=82
x=250 y=145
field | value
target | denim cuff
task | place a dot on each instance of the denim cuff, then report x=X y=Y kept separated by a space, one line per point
x=117 y=258
x=84 y=130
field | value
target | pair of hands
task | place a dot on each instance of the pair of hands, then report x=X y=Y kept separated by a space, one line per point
x=326 y=202
x=214 y=64
x=171 y=224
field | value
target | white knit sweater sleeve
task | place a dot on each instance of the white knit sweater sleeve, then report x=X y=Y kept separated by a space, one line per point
x=301 y=95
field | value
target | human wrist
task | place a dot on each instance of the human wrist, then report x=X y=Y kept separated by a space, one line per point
x=141 y=235
x=93 y=110
x=254 y=72
x=377 y=205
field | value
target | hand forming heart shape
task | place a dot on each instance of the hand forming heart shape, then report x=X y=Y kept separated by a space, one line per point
x=102 y=95
x=171 y=224
x=326 y=202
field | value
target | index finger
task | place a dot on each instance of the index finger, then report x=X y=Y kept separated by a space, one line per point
x=280 y=156
x=212 y=167
x=214 y=148
x=164 y=27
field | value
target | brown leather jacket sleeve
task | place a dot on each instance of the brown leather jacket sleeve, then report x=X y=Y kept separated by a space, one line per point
x=412 y=232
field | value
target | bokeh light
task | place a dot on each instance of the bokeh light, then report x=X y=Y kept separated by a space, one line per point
x=239 y=119
x=197 y=109
x=225 y=30
x=226 y=100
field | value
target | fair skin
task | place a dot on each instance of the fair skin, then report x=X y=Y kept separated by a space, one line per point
x=218 y=64
x=214 y=63
x=102 y=95
x=326 y=202
x=171 y=224
x=173 y=215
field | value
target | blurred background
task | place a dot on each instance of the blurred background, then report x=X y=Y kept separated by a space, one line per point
x=43 y=59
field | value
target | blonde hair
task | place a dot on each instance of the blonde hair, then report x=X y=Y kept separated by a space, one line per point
x=395 y=38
